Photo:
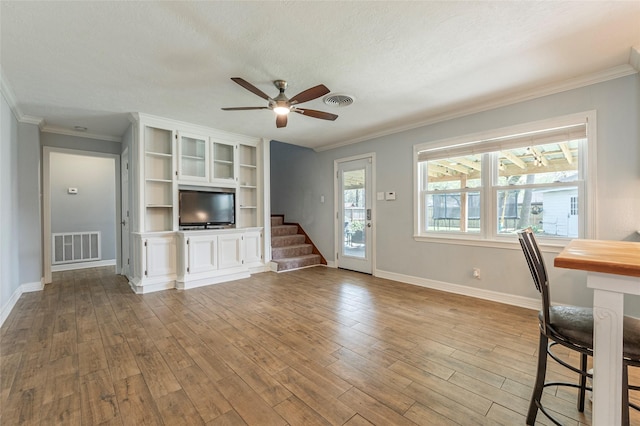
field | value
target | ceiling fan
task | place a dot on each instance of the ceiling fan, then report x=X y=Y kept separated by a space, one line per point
x=282 y=105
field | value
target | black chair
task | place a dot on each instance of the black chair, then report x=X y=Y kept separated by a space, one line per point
x=571 y=327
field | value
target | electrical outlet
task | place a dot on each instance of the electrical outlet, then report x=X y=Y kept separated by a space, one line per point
x=476 y=273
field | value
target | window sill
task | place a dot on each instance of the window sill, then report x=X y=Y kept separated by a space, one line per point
x=546 y=245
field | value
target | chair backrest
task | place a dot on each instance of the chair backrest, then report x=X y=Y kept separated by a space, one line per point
x=538 y=271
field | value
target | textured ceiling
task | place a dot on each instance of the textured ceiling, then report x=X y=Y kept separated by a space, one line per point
x=405 y=63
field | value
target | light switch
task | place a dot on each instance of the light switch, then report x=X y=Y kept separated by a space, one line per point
x=380 y=196
x=390 y=196
x=72 y=190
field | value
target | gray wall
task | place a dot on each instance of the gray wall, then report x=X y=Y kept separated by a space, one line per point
x=9 y=267
x=20 y=220
x=81 y=144
x=293 y=170
x=93 y=208
x=299 y=177
x=29 y=203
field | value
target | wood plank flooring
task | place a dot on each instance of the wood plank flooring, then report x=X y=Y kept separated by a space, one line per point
x=317 y=346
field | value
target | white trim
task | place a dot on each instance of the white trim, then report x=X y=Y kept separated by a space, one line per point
x=45 y=128
x=46 y=202
x=11 y=303
x=551 y=89
x=181 y=285
x=171 y=124
x=509 y=242
x=83 y=265
x=494 y=296
x=516 y=129
x=152 y=288
x=488 y=237
x=10 y=96
x=336 y=201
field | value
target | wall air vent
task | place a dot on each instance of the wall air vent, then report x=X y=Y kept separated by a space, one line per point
x=338 y=100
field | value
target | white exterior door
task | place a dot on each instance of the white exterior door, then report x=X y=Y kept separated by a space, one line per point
x=355 y=215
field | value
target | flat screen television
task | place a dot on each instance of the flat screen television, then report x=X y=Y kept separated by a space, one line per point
x=206 y=209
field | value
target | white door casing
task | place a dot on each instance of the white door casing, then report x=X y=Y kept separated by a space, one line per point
x=124 y=217
x=355 y=215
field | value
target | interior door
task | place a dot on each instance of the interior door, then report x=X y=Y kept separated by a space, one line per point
x=125 y=228
x=355 y=217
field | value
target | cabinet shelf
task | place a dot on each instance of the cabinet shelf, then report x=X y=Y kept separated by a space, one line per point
x=248 y=207
x=158 y=154
x=249 y=166
x=223 y=162
x=159 y=180
x=193 y=157
x=248 y=187
x=159 y=206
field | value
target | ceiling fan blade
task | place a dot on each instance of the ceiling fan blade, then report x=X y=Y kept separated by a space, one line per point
x=250 y=87
x=281 y=121
x=242 y=108
x=315 y=114
x=310 y=94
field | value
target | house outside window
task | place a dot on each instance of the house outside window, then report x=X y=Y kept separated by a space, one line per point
x=534 y=176
x=574 y=206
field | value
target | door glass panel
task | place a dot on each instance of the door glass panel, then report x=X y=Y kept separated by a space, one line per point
x=354 y=235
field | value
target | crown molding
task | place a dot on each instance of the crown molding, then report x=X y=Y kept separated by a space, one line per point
x=10 y=96
x=68 y=132
x=539 y=92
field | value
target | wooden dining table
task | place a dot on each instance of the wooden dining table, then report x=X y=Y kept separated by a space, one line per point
x=613 y=270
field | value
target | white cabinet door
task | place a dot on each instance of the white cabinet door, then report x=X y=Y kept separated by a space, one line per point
x=193 y=157
x=252 y=247
x=229 y=250
x=159 y=256
x=202 y=254
x=223 y=166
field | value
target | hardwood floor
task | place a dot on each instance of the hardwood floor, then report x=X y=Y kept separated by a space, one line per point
x=316 y=346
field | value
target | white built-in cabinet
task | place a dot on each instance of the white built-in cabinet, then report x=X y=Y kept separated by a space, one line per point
x=154 y=262
x=213 y=256
x=247 y=195
x=158 y=180
x=193 y=158
x=169 y=155
x=224 y=162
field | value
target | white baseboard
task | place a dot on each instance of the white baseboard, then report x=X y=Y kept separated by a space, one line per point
x=82 y=265
x=494 y=296
x=151 y=288
x=24 y=288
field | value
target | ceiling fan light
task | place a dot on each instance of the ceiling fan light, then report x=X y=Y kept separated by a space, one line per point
x=281 y=110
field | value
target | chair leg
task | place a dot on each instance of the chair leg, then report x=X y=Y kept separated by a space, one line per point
x=625 y=395
x=540 y=377
x=583 y=382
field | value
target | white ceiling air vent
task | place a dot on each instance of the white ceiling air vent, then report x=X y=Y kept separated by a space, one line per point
x=338 y=100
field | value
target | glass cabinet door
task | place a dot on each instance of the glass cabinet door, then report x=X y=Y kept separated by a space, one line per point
x=223 y=161
x=193 y=157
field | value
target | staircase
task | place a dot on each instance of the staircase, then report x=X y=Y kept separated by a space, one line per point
x=291 y=248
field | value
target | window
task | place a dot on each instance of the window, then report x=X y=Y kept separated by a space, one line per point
x=530 y=176
x=574 y=206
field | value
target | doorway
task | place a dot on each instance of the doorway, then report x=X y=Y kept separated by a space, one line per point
x=355 y=236
x=78 y=209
